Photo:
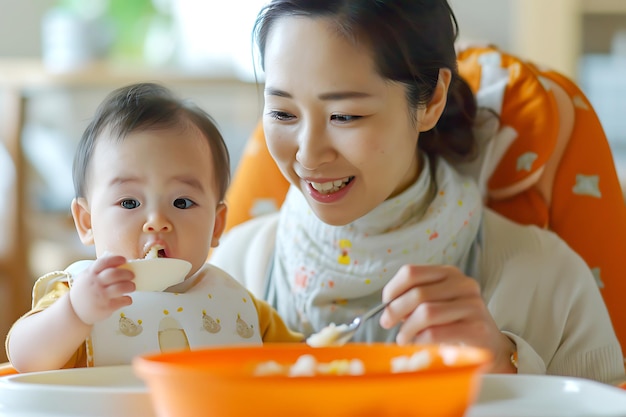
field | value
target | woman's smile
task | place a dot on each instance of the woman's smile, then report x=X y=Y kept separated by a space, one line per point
x=337 y=191
x=330 y=187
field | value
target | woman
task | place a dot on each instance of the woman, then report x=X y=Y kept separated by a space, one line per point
x=364 y=115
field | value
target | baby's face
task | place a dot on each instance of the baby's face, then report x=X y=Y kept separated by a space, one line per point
x=153 y=188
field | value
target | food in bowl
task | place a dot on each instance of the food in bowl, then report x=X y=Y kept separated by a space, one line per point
x=224 y=381
x=416 y=362
x=307 y=365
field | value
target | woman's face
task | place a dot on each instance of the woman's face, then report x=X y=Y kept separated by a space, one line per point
x=339 y=131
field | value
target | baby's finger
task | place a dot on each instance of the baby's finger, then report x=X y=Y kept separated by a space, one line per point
x=119 y=302
x=119 y=289
x=107 y=262
x=112 y=276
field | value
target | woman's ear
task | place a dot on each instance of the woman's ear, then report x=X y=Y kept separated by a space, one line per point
x=437 y=104
x=82 y=220
x=219 y=225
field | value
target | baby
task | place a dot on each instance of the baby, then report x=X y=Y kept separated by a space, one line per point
x=150 y=174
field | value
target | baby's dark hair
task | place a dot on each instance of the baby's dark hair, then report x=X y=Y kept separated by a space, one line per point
x=410 y=40
x=142 y=107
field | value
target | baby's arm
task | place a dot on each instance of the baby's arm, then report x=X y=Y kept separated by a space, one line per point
x=272 y=327
x=46 y=340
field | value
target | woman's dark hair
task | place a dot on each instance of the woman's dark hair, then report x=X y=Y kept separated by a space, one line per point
x=142 y=107
x=410 y=40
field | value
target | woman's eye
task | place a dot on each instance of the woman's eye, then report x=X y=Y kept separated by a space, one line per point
x=344 y=118
x=130 y=204
x=183 y=203
x=280 y=115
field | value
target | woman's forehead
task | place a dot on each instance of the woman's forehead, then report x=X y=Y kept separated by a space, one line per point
x=314 y=49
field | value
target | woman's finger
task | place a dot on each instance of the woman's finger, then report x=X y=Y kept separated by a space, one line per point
x=452 y=287
x=439 y=314
x=409 y=276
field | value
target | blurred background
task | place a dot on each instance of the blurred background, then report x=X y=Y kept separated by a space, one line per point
x=59 y=58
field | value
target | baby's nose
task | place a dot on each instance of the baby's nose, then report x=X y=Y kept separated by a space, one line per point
x=157 y=223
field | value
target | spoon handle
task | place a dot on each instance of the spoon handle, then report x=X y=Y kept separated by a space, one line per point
x=374 y=311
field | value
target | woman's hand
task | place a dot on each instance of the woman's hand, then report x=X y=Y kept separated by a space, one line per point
x=101 y=289
x=439 y=304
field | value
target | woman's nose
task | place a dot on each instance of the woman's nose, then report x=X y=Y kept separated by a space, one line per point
x=314 y=148
x=156 y=223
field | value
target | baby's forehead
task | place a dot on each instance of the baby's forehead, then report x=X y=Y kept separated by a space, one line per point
x=185 y=144
x=149 y=147
x=144 y=136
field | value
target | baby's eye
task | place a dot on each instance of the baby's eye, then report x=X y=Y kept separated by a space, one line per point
x=130 y=204
x=280 y=115
x=344 y=118
x=183 y=203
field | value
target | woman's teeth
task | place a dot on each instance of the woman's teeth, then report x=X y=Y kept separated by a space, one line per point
x=330 y=186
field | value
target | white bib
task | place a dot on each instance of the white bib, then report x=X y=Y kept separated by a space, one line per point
x=214 y=310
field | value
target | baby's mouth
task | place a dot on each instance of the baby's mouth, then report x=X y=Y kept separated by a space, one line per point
x=330 y=186
x=156 y=251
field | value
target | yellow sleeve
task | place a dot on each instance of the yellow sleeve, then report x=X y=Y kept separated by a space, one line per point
x=46 y=291
x=272 y=327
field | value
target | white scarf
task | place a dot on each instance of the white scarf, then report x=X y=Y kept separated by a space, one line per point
x=325 y=274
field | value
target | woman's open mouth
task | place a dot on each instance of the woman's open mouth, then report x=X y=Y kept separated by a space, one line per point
x=330 y=186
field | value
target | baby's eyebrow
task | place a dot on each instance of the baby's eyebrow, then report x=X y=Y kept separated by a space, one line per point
x=192 y=182
x=122 y=180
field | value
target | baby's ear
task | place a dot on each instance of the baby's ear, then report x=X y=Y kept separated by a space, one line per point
x=219 y=225
x=437 y=103
x=82 y=220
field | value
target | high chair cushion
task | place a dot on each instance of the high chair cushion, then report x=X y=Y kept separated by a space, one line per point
x=547 y=163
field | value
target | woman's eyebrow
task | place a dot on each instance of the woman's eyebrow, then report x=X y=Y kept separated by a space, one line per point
x=335 y=95
x=343 y=95
x=269 y=91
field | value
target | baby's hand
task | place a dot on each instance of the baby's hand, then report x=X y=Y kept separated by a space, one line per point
x=101 y=289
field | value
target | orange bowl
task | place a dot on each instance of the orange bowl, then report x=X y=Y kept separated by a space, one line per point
x=223 y=382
